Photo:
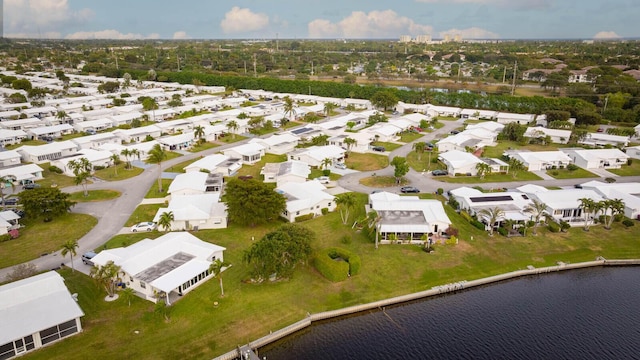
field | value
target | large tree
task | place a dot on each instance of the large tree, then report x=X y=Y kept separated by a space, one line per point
x=107 y=276
x=537 y=209
x=345 y=202
x=232 y=126
x=483 y=169
x=400 y=168
x=216 y=268
x=45 y=203
x=491 y=216
x=589 y=208
x=156 y=156
x=165 y=220
x=384 y=99
x=252 y=202
x=419 y=148
x=279 y=251
x=613 y=207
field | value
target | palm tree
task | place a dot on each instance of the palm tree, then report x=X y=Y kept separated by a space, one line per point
x=116 y=160
x=289 y=109
x=232 y=126
x=345 y=201
x=615 y=207
x=128 y=294
x=536 y=209
x=328 y=109
x=515 y=166
x=326 y=162
x=61 y=115
x=349 y=142
x=82 y=170
x=491 y=216
x=126 y=153
x=372 y=222
x=106 y=276
x=216 y=269
x=588 y=207
x=165 y=220
x=198 y=132
x=156 y=156
x=483 y=169
x=419 y=147
x=70 y=247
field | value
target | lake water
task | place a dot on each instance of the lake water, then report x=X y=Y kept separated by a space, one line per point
x=578 y=314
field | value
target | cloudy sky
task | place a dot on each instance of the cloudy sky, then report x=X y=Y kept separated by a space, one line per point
x=217 y=19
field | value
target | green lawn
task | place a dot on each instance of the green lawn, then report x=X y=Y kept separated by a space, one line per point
x=154 y=191
x=25 y=142
x=231 y=138
x=503 y=145
x=575 y=174
x=446 y=118
x=628 y=170
x=38 y=237
x=254 y=170
x=521 y=176
x=179 y=167
x=317 y=173
x=144 y=212
x=367 y=162
x=381 y=181
x=94 y=195
x=420 y=162
x=54 y=179
x=203 y=146
x=118 y=173
x=409 y=136
x=388 y=146
x=195 y=325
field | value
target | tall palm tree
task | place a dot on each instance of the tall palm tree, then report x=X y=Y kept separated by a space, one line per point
x=126 y=153
x=106 y=275
x=216 y=269
x=491 y=216
x=116 y=160
x=326 y=162
x=483 y=169
x=128 y=294
x=289 y=109
x=198 y=132
x=61 y=115
x=349 y=142
x=165 y=220
x=156 y=156
x=232 y=126
x=345 y=202
x=588 y=207
x=515 y=166
x=328 y=108
x=69 y=247
x=419 y=148
x=82 y=170
x=614 y=207
x=372 y=222
x=536 y=209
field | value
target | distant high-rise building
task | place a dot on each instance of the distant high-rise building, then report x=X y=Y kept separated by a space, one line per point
x=457 y=38
x=447 y=38
x=1 y=19
x=423 y=39
x=405 y=38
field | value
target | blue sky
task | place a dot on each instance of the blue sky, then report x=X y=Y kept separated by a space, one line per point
x=219 y=19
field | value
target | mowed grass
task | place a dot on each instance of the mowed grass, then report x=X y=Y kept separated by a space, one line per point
x=154 y=192
x=382 y=181
x=503 y=145
x=424 y=162
x=249 y=311
x=94 y=195
x=38 y=237
x=567 y=174
x=52 y=179
x=254 y=170
x=366 y=162
x=521 y=176
x=388 y=146
x=409 y=136
x=119 y=172
x=628 y=170
x=144 y=212
x=179 y=167
x=203 y=146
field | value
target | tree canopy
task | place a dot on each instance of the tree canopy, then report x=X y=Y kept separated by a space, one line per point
x=45 y=203
x=400 y=167
x=279 y=251
x=252 y=202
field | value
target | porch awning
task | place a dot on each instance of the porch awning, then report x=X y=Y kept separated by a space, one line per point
x=180 y=275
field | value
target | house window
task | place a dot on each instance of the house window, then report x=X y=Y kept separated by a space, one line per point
x=297 y=212
x=131 y=278
x=143 y=285
x=59 y=331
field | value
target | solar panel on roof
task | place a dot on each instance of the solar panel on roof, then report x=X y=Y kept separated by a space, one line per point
x=491 y=198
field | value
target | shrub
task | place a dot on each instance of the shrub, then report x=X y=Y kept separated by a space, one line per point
x=609 y=180
x=555 y=173
x=55 y=169
x=451 y=231
x=466 y=216
x=572 y=167
x=478 y=225
x=98 y=167
x=453 y=203
x=326 y=172
x=553 y=226
x=451 y=241
x=629 y=161
x=346 y=239
x=334 y=270
x=325 y=211
x=304 y=217
x=564 y=226
x=440 y=191
x=627 y=223
x=502 y=231
x=5 y=237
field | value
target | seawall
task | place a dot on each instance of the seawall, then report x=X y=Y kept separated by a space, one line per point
x=436 y=290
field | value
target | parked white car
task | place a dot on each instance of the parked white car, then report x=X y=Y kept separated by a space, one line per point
x=341 y=166
x=144 y=226
x=323 y=179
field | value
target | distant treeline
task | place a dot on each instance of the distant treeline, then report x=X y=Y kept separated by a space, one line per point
x=504 y=103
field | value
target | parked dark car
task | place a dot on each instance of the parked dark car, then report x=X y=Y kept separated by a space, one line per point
x=378 y=148
x=31 y=186
x=453 y=132
x=439 y=172
x=409 y=189
x=11 y=201
x=86 y=258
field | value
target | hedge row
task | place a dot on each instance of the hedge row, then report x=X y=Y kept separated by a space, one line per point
x=304 y=217
x=334 y=270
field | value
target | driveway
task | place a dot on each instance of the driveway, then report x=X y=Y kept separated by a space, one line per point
x=603 y=173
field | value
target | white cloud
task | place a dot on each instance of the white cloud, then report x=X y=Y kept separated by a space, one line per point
x=41 y=18
x=109 y=34
x=516 y=4
x=470 y=33
x=375 y=24
x=181 y=35
x=606 y=35
x=243 y=20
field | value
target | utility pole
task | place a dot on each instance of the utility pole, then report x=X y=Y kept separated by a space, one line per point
x=311 y=67
x=277 y=43
x=606 y=101
x=255 y=72
x=504 y=75
x=116 y=56
x=245 y=67
x=515 y=71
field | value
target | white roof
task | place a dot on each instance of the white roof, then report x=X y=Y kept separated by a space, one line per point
x=527 y=117
x=33 y=304
x=492 y=126
x=246 y=149
x=192 y=180
x=536 y=131
x=9 y=154
x=459 y=158
x=530 y=157
x=147 y=253
x=275 y=140
x=8 y=133
x=607 y=137
x=193 y=207
x=566 y=199
x=292 y=167
x=208 y=162
x=602 y=154
x=303 y=195
x=51 y=129
x=466 y=191
x=21 y=172
x=531 y=189
x=322 y=152
x=45 y=149
x=432 y=211
x=176 y=139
